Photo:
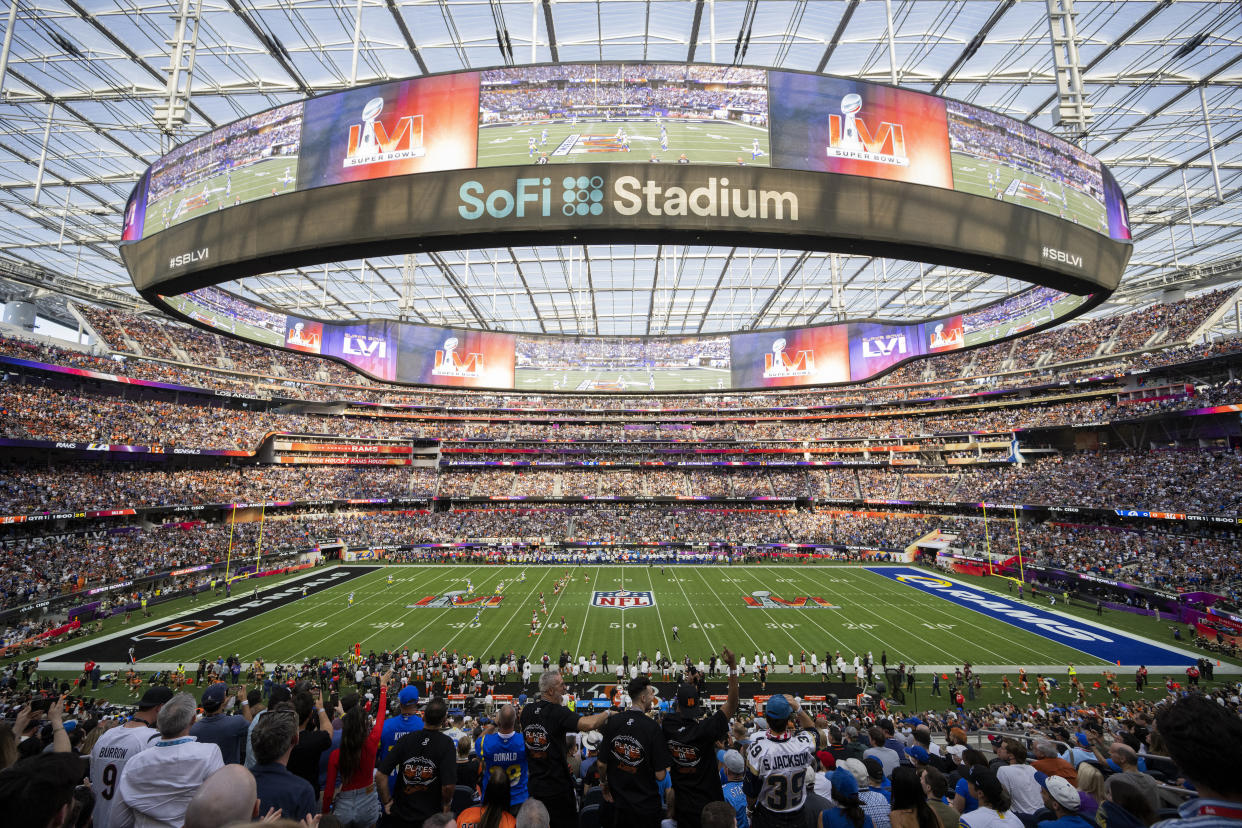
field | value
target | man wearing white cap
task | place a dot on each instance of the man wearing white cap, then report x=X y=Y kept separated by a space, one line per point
x=1062 y=799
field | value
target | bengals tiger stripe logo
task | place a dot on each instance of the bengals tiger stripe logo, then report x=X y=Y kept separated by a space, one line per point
x=178 y=630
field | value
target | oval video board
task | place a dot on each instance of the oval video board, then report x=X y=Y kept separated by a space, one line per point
x=642 y=153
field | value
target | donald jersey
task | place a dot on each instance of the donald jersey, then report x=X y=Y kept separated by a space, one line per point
x=508 y=752
x=779 y=769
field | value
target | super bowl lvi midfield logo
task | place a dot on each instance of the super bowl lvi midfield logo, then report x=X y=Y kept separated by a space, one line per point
x=623 y=599
x=765 y=600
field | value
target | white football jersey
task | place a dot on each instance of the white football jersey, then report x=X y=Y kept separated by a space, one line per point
x=779 y=770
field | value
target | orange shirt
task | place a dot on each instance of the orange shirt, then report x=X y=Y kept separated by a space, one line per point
x=473 y=818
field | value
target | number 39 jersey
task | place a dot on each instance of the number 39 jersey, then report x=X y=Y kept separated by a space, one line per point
x=779 y=769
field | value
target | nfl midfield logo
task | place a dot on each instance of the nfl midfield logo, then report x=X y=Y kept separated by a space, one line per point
x=623 y=599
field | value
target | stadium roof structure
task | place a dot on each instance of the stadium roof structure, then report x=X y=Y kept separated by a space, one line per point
x=91 y=93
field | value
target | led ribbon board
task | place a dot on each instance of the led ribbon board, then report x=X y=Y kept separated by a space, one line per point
x=631 y=153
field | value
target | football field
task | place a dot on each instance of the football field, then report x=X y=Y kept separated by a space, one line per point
x=271 y=176
x=702 y=142
x=623 y=379
x=1028 y=189
x=912 y=615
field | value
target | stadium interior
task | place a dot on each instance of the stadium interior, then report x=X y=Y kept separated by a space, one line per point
x=186 y=498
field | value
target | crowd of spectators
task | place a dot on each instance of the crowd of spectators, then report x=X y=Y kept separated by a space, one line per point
x=275 y=131
x=256 y=738
x=1201 y=482
x=311 y=378
x=29 y=489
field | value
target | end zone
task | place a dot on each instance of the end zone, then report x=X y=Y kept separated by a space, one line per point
x=1105 y=643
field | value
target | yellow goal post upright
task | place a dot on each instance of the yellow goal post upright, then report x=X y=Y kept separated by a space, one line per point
x=987 y=540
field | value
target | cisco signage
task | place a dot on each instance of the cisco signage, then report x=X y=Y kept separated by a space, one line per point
x=642 y=153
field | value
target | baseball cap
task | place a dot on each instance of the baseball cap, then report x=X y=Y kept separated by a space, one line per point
x=733 y=761
x=1059 y=789
x=875 y=768
x=843 y=782
x=985 y=780
x=408 y=695
x=592 y=740
x=214 y=696
x=778 y=707
x=154 y=697
x=919 y=754
x=826 y=759
x=688 y=698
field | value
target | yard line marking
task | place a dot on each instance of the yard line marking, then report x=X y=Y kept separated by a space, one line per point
x=711 y=648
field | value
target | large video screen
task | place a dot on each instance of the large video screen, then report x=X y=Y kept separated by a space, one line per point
x=253 y=158
x=636 y=113
x=835 y=125
x=622 y=364
x=653 y=113
x=455 y=357
x=399 y=128
x=998 y=157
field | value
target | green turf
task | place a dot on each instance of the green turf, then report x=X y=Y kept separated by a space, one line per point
x=248 y=183
x=620 y=380
x=970 y=174
x=705 y=602
x=1058 y=308
x=702 y=142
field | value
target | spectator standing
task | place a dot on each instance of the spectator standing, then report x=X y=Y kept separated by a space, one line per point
x=692 y=739
x=273 y=739
x=115 y=747
x=217 y=727
x=355 y=760
x=545 y=721
x=311 y=744
x=506 y=749
x=156 y=785
x=634 y=759
x=780 y=766
x=426 y=765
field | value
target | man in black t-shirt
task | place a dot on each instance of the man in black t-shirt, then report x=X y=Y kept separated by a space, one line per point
x=428 y=771
x=692 y=741
x=634 y=759
x=545 y=721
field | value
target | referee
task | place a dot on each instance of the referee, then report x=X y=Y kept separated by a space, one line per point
x=692 y=739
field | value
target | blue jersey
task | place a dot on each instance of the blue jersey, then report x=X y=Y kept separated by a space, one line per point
x=394 y=728
x=508 y=752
